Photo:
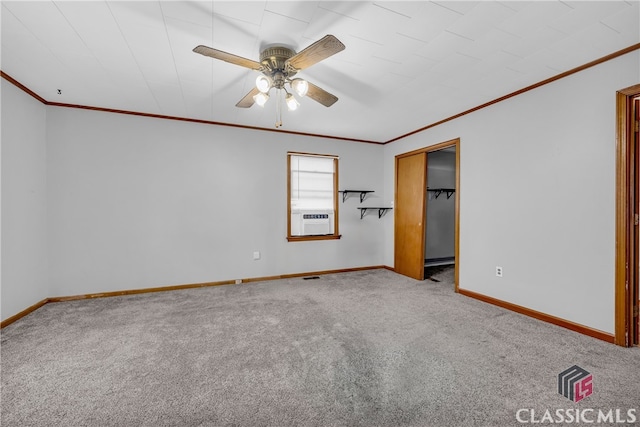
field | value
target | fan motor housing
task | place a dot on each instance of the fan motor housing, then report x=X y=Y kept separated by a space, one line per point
x=274 y=59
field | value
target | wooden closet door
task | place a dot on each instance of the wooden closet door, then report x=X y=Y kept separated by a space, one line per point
x=635 y=246
x=411 y=190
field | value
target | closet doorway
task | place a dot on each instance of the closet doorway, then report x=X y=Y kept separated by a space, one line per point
x=419 y=204
x=439 y=239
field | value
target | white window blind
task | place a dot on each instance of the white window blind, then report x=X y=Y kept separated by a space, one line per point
x=311 y=182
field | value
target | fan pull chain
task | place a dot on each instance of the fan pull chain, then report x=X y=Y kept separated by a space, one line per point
x=278 y=108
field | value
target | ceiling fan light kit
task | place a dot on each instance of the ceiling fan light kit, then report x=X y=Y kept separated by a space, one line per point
x=278 y=65
x=261 y=98
x=263 y=83
x=301 y=87
x=292 y=103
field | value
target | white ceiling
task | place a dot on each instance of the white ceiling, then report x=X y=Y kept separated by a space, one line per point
x=407 y=64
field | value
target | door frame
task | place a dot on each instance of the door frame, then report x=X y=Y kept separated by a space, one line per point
x=626 y=257
x=450 y=143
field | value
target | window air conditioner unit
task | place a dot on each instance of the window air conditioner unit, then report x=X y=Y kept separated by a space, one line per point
x=313 y=223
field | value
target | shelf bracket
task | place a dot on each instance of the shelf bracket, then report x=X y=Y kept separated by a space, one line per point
x=363 y=194
x=381 y=211
x=438 y=191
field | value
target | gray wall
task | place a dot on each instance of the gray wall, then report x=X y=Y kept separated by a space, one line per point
x=98 y=202
x=139 y=202
x=24 y=277
x=537 y=194
x=440 y=224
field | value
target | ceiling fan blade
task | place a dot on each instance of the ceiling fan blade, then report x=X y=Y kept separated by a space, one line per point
x=323 y=48
x=248 y=101
x=320 y=95
x=227 y=57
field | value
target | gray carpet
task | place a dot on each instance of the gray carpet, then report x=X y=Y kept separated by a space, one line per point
x=369 y=348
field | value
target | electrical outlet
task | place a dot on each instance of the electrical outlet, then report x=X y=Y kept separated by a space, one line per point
x=238 y=281
x=256 y=255
x=499 y=271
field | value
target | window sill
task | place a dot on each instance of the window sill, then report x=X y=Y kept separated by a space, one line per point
x=308 y=238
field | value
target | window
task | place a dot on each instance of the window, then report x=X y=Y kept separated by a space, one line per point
x=312 y=202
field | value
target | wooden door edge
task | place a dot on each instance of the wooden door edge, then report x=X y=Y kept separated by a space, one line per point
x=623 y=304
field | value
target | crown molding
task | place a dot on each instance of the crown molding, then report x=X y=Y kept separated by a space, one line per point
x=235 y=125
x=523 y=90
x=16 y=83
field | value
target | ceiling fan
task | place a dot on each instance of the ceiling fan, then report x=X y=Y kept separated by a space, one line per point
x=278 y=65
